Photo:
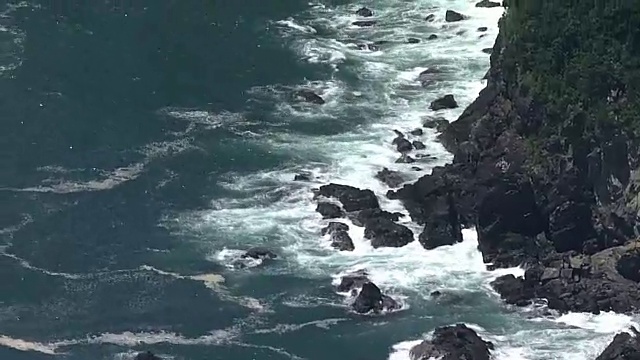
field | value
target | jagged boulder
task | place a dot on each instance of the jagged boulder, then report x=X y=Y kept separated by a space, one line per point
x=308 y=96
x=371 y=299
x=259 y=253
x=445 y=102
x=385 y=233
x=453 y=343
x=453 y=16
x=147 y=356
x=364 y=23
x=352 y=198
x=364 y=12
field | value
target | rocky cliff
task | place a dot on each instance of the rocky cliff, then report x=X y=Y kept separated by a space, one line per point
x=546 y=160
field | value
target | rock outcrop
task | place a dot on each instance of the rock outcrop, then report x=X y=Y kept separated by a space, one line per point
x=453 y=343
x=371 y=300
x=625 y=346
x=587 y=283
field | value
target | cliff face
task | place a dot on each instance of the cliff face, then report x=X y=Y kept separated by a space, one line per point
x=546 y=160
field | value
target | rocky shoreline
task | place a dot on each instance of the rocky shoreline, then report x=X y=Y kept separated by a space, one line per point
x=569 y=218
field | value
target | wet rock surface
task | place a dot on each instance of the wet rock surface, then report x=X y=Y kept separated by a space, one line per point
x=453 y=343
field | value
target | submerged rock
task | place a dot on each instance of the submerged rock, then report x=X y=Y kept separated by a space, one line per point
x=416 y=132
x=364 y=12
x=488 y=4
x=412 y=40
x=308 y=96
x=419 y=145
x=391 y=178
x=353 y=281
x=147 y=356
x=364 y=23
x=405 y=159
x=453 y=16
x=302 y=177
x=333 y=226
x=430 y=17
x=259 y=253
x=453 y=343
x=445 y=102
x=438 y=123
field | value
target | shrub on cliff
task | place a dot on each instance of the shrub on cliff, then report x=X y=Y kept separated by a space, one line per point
x=582 y=59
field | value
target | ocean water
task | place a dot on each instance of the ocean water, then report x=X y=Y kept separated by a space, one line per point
x=146 y=144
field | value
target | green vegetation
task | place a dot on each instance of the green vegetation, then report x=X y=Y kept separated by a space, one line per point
x=580 y=58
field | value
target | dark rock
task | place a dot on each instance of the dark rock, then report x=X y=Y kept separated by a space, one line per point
x=259 y=253
x=625 y=346
x=302 y=177
x=438 y=123
x=370 y=47
x=416 y=168
x=385 y=233
x=508 y=218
x=453 y=16
x=353 y=281
x=329 y=210
x=453 y=343
x=487 y=50
x=147 y=356
x=364 y=23
x=443 y=226
x=432 y=37
x=403 y=145
x=416 y=132
x=371 y=299
x=360 y=218
x=436 y=293
x=629 y=266
x=364 y=12
x=483 y=28
x=405 y=159
x=413 y=40
x=399 y=135
x=352 y=198
x=513 y=290
x=445 y=102
x=388 y=303
x=341 y=240
x=419 y=145
x=429 y=75
x=334 y=226
x=488 y=4
x=578 y=284
x=391 y=178
x=430 y=17
x=309 y=96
